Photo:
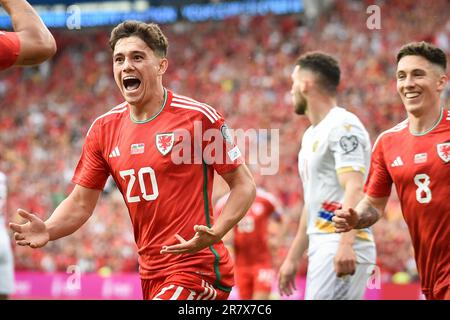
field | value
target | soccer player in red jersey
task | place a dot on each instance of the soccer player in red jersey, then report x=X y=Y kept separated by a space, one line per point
x=161 y=149
x=30 y=43
x=415 y=156
x=249 y=241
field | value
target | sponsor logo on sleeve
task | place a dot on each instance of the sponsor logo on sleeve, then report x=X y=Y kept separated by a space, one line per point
x=234 y=153
x=349 y=143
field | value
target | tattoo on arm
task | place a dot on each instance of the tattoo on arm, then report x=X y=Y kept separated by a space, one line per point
x=367 y=217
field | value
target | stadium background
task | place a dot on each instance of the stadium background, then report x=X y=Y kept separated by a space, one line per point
x=235 y=55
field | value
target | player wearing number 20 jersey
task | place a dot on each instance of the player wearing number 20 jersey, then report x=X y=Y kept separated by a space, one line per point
x=163 y=197
x=419 y=166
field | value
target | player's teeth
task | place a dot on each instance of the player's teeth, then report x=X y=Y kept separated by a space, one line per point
x=412 y=94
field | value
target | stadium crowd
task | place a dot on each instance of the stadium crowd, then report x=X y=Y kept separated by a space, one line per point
x=242 y=67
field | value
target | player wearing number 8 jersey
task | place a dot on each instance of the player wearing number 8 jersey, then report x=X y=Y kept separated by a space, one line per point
x=162 y=150
x=415 y=156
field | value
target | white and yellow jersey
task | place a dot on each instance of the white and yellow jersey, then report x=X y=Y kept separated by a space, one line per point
x=6 y=256
x=337 y=144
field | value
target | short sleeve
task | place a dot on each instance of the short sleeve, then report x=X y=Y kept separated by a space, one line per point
x=92 y=170
x=9 y=49
x=219 y=148
x=350 y=146
x=379 y=182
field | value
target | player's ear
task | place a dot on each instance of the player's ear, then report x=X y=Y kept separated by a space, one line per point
x=442 y=82
x=163 y=64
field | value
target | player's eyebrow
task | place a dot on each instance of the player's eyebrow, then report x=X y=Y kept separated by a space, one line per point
x=132 y=53
x=416 y=71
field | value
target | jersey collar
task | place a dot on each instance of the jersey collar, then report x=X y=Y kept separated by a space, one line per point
x=416 y=134
x=154 y=116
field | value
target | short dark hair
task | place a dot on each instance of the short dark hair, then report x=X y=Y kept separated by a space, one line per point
x=424 y=49
x=150 y=33
x=323 y=65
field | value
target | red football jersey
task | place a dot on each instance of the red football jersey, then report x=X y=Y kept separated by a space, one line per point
x=251 y=243
x=164 y=196
x=419 y=166
x=9 y=49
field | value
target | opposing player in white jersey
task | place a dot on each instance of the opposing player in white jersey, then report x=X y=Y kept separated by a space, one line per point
x=6 y=257
x=333 y=163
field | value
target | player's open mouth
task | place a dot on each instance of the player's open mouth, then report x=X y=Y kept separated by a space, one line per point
x=131 y=83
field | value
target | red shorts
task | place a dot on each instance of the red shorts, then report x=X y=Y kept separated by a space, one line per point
x=181 y=286
x=253 y=279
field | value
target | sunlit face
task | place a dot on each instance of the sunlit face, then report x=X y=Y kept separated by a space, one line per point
x=137 y=70
x=419 y=83
x=298 y=99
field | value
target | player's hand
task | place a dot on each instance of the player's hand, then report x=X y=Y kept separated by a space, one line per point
x=33 y=233
x=203 y=237
x=286 y=277
x=345 y=260
x=345 y=220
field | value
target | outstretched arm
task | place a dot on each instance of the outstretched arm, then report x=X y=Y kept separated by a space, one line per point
x=68 y=217
x=36 y=42
x=366 y=213
x=241 y=197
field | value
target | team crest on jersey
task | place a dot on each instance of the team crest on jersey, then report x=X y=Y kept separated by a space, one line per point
x=349 y=143
x=315 y=144
x=348 y=127
x=443 y=150
x=164 y=142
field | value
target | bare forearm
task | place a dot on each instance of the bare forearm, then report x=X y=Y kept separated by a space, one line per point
x=72 y=213
x=67 y=218
x=239 y=201
x=22 y=14
x=367 y=214
x=36 y=42
x=352 y=195
x=300 y=243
